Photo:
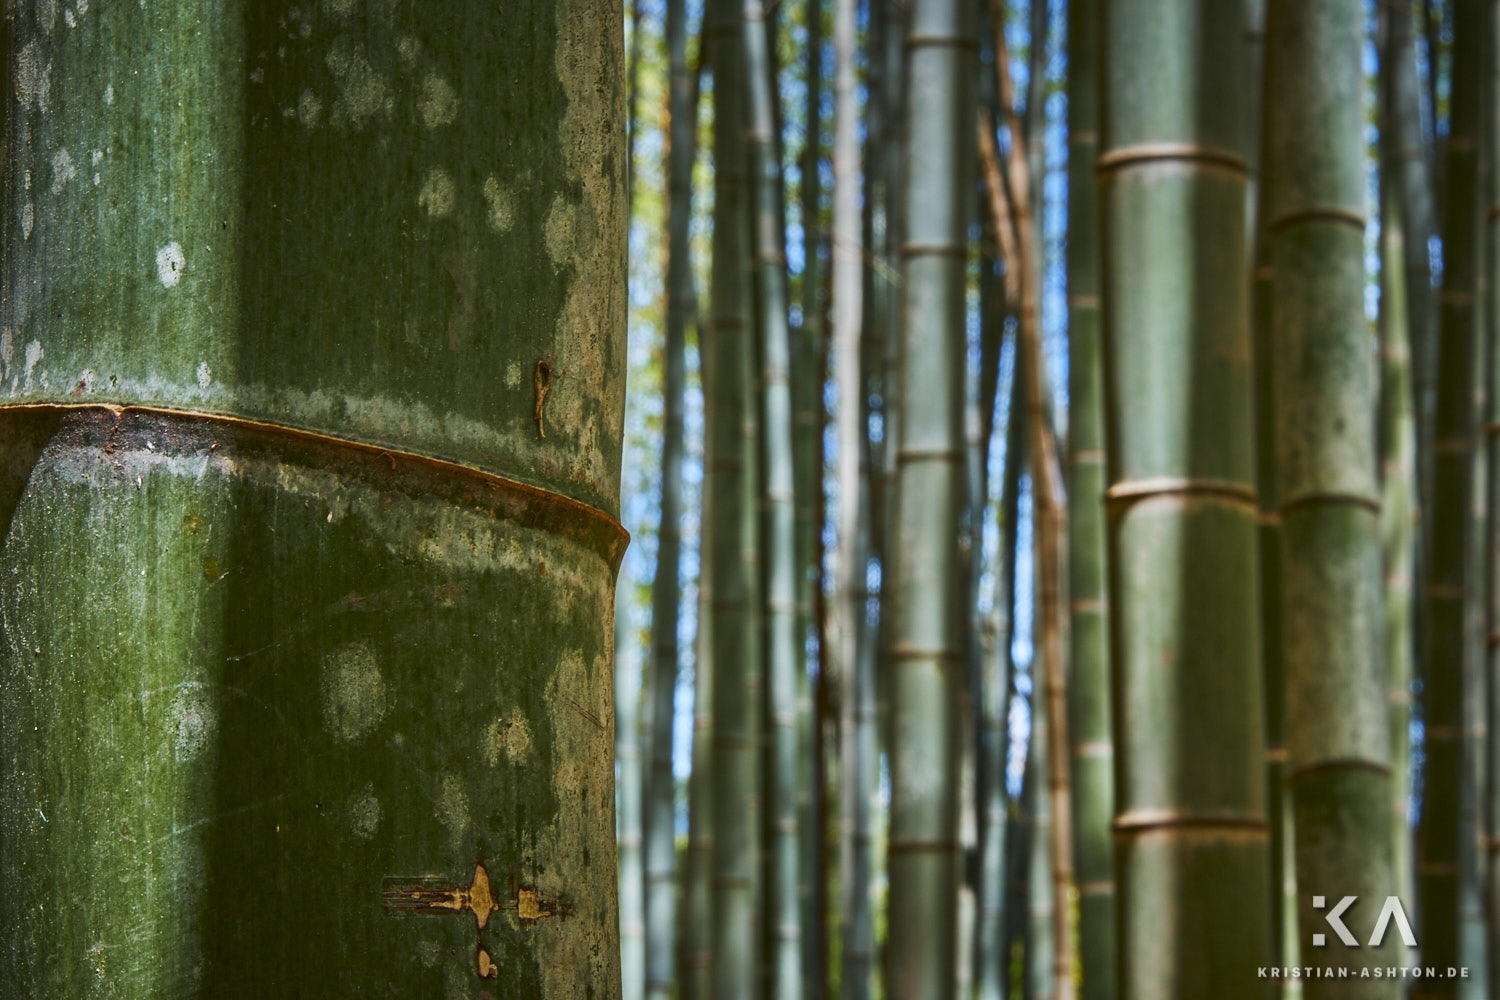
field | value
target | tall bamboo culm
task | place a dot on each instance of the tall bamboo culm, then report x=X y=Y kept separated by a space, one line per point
x=1191 y=863
x=321 y=580
x=855 y=649
x=781 y=661
x=731 y=495
x=1490 y=662
x=1398 y=494
x=628 y=799
x=925 y=658
x=1088 y=683
x=666 y=591
x=1441 y=837
x=1324 y=391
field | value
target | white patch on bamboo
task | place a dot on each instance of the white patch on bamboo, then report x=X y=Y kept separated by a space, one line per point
x=364 y=813
x=70 y=17
x=362 y=91
x=509 y=735
x=502 y=212
x=353 y=692
x=437 y=194
x=109 y=93
x=339 y=9
x=407 y=48
x=561 y=231
x=46 y=15
x=195 y=719
x=28 y=220
x=33 y=79
x=453 y=811
x=33 y=355
x=169 y=264
x=205 y=375
x=438 y=101
x=309 y=110
x=7 y=352
x=513 y=375
x=63 y=170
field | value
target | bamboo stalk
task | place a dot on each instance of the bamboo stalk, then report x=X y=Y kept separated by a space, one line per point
x=1326 y=474
x=925 y=656
x=316 y=640
x=1441 y=835
x=1190 y=826
x=731 y=491
x=1092 y=751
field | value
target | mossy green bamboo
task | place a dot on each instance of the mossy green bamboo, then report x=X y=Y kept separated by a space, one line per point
x=731 y=496
x=666 y=591
x=925 y=658
x=1324 y=392
x=1191 y=862
x=1092 y=764
x=1441 y=835
x=782 y=659
x=313 y=358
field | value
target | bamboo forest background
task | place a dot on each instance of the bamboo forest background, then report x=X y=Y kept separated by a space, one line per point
x=877 y=734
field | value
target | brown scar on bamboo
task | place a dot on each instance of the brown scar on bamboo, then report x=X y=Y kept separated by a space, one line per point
x=543 y=383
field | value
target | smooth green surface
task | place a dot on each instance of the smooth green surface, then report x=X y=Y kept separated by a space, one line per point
x=666 y=588
x=731 y=489
x=1441 y=835
x=1191 y=831
x=776 y=545
x=1089 y=723
x=925 y=659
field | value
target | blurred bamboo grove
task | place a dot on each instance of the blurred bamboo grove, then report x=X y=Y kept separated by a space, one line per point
x=1061 y=457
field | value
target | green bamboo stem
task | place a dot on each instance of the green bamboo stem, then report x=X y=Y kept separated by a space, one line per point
x=1190 y=826
x=629 y=798
x=694 y=966
x=666 y=591
x=782 y=658
x=319 y=550
x=1092 y=761
x=1324 y=391
x=1441 y=833
x=925 y=657
x=731 y=491
x=853 y=661
x=1041 y=900
x=1491 y=544
x=807 y=389
x=1399 y=515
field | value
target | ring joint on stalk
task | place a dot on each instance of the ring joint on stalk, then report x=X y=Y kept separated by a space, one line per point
x=1337 y=764
x=1327 y=213
x=1132 y=491
x=1145 y=820
x=1142 y=153
x=1331 y=499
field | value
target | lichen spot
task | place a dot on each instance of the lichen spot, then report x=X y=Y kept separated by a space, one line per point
x=364 y=813
x=205 y=375
x=437 y=194
x=561 y=231
x=502 y=213
x=407 y=48
x=362 y=91
x=513 y=375
x=63 y=170
x=109 y=93
x=353 y=692
x=438 y=102
x=169 y=264
x=33 y=355
x=309 y=110
x=429 y=953
x=339 y=9
x=33 y=78
x=28 y=220
x=508 y=735
x=194 y=720
x=453 y=811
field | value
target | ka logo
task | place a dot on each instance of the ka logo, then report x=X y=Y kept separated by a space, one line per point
x=1392 y=910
